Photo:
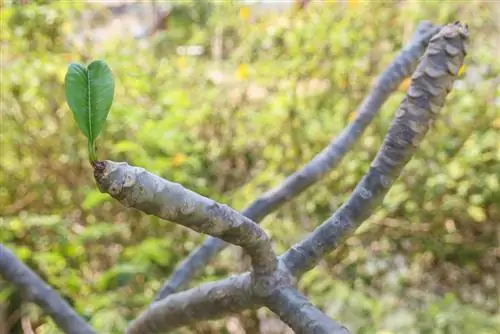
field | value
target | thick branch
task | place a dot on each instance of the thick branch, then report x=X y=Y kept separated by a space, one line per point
x=208 y=301
x=298 y=313
x=431 y=83
x=404 y=64
x=36 y=290
x=234 y=295
x=135 y=187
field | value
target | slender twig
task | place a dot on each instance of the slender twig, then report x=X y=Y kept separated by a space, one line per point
x=135 y=187
x=36 y=290
x=402 y=66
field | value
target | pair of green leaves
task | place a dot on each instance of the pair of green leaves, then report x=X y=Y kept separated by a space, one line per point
x=89 y=92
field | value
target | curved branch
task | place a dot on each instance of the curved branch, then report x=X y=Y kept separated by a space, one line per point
x=404 y=64
x=135 y=187
x=36 y=290
x=231 y=296
x=298 y=313
x=431 y=83
x=208 y=301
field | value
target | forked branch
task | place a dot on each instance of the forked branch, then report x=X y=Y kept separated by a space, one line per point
x=432 y=81
x=402 y=66
x=271 y=283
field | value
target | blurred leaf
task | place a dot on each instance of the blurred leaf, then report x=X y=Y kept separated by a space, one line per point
x=93 y=198
x=477 y=213
x=119 y=275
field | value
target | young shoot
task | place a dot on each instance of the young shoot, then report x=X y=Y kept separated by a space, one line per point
x=89 y=92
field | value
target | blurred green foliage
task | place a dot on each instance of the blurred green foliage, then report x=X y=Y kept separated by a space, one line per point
x=266 y=94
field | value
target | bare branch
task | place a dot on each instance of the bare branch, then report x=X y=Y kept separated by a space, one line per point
x=404 y=64
x=298 y=313
x=135 y=187
x=234 y=295
x=36 y=290
x=208 y=301
x=431 y=83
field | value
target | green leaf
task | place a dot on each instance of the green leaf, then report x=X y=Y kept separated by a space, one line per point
x=89 y=92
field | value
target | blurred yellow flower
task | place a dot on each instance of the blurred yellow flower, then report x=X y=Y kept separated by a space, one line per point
x=181 y=62
x=496 y=123
x=461 y=70
x=242 y=72
x=351 y=116
x=244 y=13
x=68 y=57
x=404 y=85
x=352 y=3
x=343 y=83
x=178 y=159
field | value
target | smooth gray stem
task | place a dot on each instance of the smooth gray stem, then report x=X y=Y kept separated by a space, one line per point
x=431 y=83
x=298 y=313
x=208 y=301
x=137 y=188
x=404 y=64
x=36 y=290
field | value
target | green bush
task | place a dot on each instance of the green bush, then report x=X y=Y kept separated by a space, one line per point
x=233 y=127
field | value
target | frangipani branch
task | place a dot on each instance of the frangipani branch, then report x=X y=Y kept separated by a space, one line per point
x=135 y=187
x=207 y=301
x=432 y=81
x=402 y=66
x=235 y=295
x=271 y=283
x=296 y=311
x=34 y=289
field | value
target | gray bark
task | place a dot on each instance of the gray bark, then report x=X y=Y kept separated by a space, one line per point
x=431 y=83
x=135 y=187
x=323 y=163
x=34 y=289
x=271 y=281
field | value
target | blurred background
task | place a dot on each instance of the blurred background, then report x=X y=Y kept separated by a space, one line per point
x=228 y=98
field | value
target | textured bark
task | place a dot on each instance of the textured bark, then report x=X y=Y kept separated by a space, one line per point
x=36 y=290
x=297 y=312
x=208 y=301
x=431 y=83
x=404 y=64
x=137 y=188
x=234 y=295
x=271 y=283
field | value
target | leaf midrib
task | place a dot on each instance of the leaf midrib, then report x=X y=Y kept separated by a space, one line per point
x=90 y=107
